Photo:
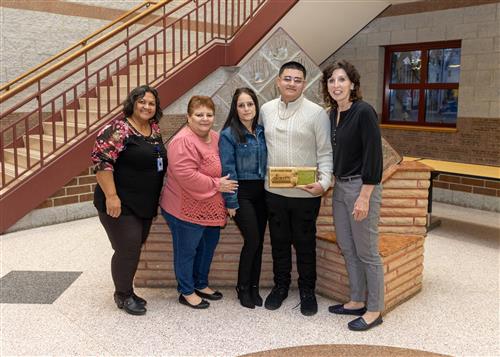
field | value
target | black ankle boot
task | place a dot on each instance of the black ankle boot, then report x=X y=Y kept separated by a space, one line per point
x=128 y=304
x=256 y=298
x=245 y=297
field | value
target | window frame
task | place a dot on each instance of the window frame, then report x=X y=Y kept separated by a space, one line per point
x=422 y=86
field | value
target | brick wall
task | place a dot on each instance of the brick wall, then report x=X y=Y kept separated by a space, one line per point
x=476 y=141
x=468 y=184
x=404 y=211
x=79 y=189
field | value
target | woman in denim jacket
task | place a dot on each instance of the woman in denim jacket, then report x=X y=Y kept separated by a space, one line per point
x=243 y=154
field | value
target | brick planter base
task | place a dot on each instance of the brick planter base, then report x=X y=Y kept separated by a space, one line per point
x=403 y=258
x=402 y=229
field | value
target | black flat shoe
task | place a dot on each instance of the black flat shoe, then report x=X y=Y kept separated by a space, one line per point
x=139 y=300
x=360 y=324
x=341 y=310
x=217 y=295
x=130 y=306
x=202 y=305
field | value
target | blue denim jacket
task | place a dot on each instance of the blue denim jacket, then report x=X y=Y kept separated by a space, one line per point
x=242 y=161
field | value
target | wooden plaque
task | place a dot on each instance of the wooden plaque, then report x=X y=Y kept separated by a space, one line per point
x=289 y=177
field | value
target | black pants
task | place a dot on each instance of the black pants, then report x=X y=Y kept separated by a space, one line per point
x=251 y=219
x=293 y=221
x=127 y=234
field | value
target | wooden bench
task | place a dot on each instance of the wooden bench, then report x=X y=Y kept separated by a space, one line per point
x=402 y=256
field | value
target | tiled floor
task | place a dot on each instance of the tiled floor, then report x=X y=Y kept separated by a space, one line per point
x=457 y=312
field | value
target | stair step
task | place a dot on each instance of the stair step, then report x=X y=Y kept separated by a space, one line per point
x=159 y=58
x=22 y=156
x=34 y=142
x=71 y=129
x=81 y=115
x=135 y=80
x=113 y=92
x=151 y=68
x=93 y=104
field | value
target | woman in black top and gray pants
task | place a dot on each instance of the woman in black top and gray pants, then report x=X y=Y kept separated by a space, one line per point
x=130 y=162
x=357 y=166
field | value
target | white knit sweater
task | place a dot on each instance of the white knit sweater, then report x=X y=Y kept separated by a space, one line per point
x=297 y=134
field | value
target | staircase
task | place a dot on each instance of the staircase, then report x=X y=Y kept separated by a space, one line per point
x=54 y=115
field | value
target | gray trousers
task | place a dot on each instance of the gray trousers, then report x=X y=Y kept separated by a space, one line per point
x=358 y=242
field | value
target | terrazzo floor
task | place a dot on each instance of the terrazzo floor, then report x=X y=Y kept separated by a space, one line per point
x=456 y=313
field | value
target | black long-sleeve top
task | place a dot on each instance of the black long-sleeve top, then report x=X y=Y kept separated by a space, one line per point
x=357 y=143
x=133 y=158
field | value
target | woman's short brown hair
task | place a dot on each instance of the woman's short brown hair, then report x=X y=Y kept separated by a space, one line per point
x=353 y=75
x=200 y=101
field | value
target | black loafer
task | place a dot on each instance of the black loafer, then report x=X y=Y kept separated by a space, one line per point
x=202 y=305
x=217 y=295
x=360 y=324
x=341 y=310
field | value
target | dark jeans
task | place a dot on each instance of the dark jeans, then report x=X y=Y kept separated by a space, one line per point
x=251 y=219
x=127 y=234
x=194 y=247
x=292 y=221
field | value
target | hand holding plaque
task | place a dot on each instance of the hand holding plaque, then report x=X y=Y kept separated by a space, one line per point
x=290 y=177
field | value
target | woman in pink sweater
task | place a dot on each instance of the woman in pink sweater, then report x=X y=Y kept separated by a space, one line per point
x=192 y=203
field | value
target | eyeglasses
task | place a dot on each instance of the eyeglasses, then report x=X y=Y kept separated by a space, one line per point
x=289 y=79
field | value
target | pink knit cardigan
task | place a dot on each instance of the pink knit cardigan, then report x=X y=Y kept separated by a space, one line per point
x=191 y=192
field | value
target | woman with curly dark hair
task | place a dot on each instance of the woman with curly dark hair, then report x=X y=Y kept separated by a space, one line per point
x=130 y=162
x=357 y=166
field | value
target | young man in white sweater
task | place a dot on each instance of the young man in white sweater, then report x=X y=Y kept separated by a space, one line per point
x=297 y=134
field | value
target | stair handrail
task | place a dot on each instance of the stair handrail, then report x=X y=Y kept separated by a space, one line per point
x=87 y=47
x=59 y=112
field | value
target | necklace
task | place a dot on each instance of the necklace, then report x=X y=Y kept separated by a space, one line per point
x=285 y=117
x=143 y=130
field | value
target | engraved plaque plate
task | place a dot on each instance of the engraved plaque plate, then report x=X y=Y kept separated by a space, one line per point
x=289 y=177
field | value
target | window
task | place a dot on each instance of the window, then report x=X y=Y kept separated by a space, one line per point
x=421 y=84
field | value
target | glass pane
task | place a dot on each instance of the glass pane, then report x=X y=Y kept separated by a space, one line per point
x=405 y=67
x=441 y=106
x=403 y=105
x=444 y=65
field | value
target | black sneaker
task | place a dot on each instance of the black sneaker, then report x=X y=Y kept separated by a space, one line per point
x=308 y=303
x=276 y=297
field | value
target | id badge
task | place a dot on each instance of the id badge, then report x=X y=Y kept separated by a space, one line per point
x=159 y=164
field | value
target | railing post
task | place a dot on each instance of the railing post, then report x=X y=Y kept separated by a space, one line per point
x=164 y=32
x=196 y=27
x=40 y=121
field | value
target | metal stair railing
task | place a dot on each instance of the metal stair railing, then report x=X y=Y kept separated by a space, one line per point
x=74 y=97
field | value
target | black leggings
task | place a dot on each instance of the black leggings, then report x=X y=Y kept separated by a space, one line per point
x=127 y=234
x=251 y=219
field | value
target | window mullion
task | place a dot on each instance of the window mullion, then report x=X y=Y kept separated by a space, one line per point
x=423 y=83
